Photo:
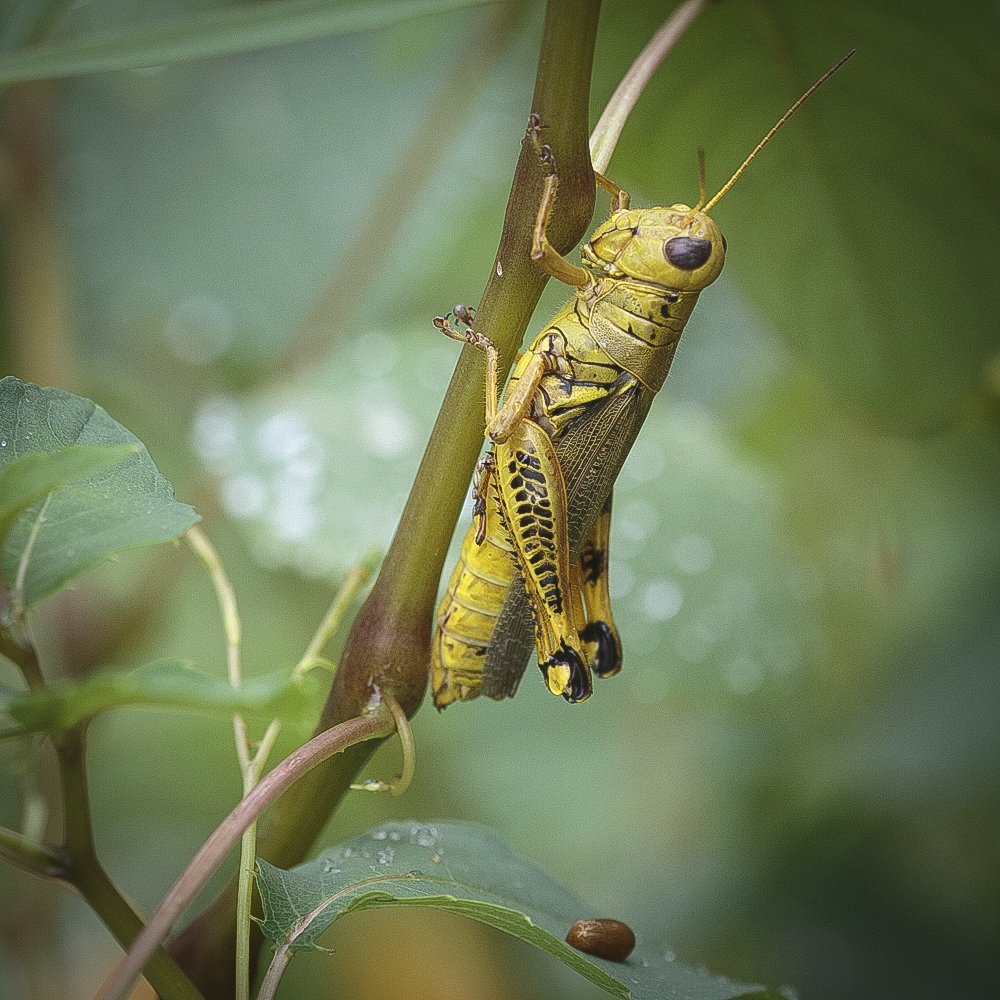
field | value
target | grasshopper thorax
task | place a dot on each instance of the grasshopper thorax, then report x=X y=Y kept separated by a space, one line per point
x=677 y=248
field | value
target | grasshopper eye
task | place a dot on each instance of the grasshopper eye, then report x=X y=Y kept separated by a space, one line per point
x=687 y=252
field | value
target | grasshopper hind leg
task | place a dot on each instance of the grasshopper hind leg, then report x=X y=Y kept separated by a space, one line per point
x=533 y=502
x=600 y=630
x=607 y=660
x=566 y=673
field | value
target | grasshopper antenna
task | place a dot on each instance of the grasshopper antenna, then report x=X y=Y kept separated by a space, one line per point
x=777 y=125
x=702 y=189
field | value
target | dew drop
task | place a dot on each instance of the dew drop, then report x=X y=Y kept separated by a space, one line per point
x=386 y=856
x=379 y=835
x=423 y=836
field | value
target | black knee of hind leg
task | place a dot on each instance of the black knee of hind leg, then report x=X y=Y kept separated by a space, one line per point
x=608 y=658
x=578 y=686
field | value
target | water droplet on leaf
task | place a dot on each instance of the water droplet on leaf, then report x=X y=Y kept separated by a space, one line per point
x=424 y=836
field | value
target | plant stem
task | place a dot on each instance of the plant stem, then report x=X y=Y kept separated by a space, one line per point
x=609 y=126
x=76 y=861
x=388 y=648
x=226 y=595
x=20 y=650
x=244 y=903
x=355 y=579
x=85 y=872
x=78 y=836
x=28 y=854
x=230 y=830
x=162 y=971
x=389 y=644
x=399 y=784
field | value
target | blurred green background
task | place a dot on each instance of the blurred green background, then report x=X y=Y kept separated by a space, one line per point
x=794 y=780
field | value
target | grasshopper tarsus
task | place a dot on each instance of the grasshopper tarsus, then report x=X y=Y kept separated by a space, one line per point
x=464 y=315
x=485 y=468
x=533 y=132
x=547 y=160
x=543 y=150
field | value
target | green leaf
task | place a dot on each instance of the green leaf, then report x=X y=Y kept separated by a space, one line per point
x=83 y=521
x=464 y=869
x=838 y=233
x=32 y=477
x=165 y=683
x=239 y=28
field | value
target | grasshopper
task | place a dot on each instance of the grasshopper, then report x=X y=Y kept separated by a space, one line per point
x=534 y=562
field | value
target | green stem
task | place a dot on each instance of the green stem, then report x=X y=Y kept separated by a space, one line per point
x=389 y=644
x=609 y=127
x=78 y=836
x=228 y=833
x=20 y=650
x=30 y=855
x=388 y=648
x=356 y=578
x=163 y=973
x=77 y=864
x=76 y=861
x=226 y=596
x=86 y=874
x=244 y=902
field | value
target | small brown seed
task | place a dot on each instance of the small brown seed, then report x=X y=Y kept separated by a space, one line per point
x=603 y=937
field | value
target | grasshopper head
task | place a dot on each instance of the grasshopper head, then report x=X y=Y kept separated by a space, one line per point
x=677 y=247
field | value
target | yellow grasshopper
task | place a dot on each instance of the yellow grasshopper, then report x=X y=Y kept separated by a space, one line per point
x=537 y=551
